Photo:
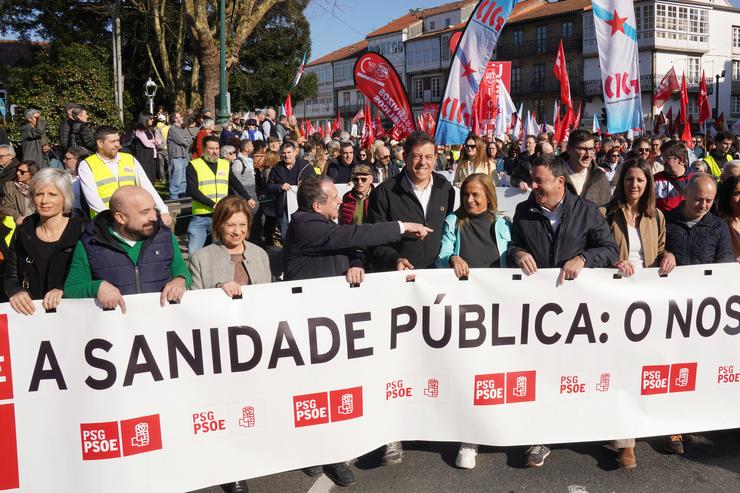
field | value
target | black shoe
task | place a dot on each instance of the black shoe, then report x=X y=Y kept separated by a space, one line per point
x=314 y=471
x=237 y=487
x=340 y=473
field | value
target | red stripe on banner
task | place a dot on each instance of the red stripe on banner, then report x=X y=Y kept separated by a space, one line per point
x=8 y=449
x=6 y=378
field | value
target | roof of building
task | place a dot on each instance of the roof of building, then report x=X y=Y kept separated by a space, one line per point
x=456 y=27
x=538 y=9
x=15 y=52
x=340 y=54
x=415 y=16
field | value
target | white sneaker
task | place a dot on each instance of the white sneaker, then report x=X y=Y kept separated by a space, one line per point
x=466 y=455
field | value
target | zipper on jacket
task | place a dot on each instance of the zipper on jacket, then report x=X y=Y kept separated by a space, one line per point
x=138 y=279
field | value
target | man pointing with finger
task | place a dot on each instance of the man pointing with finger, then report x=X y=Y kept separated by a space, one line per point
x=556 y=228
x=127 y=250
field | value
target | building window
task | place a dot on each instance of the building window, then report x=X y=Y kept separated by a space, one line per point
x=418 y=89
x=518 y=36
x=448 y=21
x=431 y=25
x=682 y=23
x=538 y=73
x=735 y=70
x=345 y=98
x=736 y=36
x=423 y=53
x=539 y=108
x=436 y=88
x=735 y=106
x=693 y=108
x=693 y=70
x=516 y=79
x=566 y=30
x=541 y=39
x=360 y=98
x=445 y=52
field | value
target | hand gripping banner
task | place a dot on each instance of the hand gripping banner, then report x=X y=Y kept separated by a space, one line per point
x=376 y=78
x=616 y=37
x=215 y=390
x=467 y=68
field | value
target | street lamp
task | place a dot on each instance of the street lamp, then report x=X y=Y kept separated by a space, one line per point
x=223 y=112
x=150 y=89
x=716 y=94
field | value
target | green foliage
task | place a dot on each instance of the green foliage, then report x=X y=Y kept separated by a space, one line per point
x=62 y=73
x=68 y=21
x=270 y=57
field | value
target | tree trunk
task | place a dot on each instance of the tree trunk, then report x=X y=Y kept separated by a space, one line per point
x=195 y=100
x=209 y=60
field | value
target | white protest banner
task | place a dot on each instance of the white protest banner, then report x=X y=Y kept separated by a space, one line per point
x=507 y=197
x=616 y=37
x=215 y=390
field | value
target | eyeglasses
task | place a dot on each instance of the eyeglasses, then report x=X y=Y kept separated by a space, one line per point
x=22 y=171
x=643 y=149
x=361 y=179
x=470 y=146
x=586 y=149
x=384 y=157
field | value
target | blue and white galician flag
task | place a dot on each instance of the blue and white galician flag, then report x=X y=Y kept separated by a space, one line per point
x=616 y=37
x=468 y=65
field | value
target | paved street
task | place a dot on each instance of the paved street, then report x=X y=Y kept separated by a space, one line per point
x=711 y=464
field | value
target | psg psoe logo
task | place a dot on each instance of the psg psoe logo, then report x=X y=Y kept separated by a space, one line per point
x=662 y=379
x=323 y=407
x=106 y=440
x=504 y=388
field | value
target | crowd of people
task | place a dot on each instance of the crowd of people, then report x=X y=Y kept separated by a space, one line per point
x=93 y=225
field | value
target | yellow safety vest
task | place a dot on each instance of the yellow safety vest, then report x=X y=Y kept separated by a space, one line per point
x=714 y=168
x=215 y=187
x=104 y=179
x=9 y=222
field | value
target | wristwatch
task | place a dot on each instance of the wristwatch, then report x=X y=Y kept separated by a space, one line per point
x=583 y=257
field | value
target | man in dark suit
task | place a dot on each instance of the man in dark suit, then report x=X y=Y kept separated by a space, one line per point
x=383 y=167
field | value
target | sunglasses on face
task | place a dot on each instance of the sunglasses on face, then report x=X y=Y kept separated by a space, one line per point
x=470 y=146
x=22 y=171
x=360 y=179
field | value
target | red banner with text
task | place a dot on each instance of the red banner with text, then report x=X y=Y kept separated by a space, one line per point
x=376 y=78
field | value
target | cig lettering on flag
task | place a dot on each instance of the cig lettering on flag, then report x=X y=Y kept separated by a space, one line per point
x=467 y=68
x=620 y=71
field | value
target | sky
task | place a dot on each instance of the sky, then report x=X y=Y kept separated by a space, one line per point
x=338 y=23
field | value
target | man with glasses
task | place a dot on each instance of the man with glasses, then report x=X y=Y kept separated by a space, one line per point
x=588 y=180
x=641 y=147
x=8 y=165
x=699 y=146
x=717 y=157
x=355 y=202
x=655 y=144
x=384 y=168
x=670 y=184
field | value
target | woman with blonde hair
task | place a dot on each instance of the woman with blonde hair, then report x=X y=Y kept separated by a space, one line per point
x=473 y=160
x=476 y=235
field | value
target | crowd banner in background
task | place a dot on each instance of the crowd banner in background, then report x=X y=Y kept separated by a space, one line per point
x=378 y=80
x=616 y=37
x=485 y=103
x=507 y=197
x=468 y=65
x=213 y=390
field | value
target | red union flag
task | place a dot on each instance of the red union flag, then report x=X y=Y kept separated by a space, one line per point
x=376 y=78
x=561 y=74
x=485 y=104
x=704 y=111
x=667 y=86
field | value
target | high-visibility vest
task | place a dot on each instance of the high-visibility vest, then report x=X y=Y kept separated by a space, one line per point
x=104 y=179
x=214 y=186
x=9 y=222
x=714 y=169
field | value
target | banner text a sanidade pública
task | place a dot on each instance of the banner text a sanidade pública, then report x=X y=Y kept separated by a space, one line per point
x=466 y=326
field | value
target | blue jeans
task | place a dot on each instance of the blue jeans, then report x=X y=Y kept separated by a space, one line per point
x=283 y=222
x=198 y=231
x=177 y=177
